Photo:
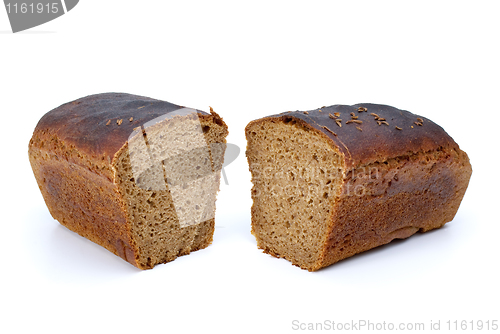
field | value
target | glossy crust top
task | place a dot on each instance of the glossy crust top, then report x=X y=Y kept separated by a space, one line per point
x=99 y=125
x=375 y=133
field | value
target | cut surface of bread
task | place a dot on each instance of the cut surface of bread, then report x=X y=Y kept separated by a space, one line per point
x=325 y=189
x=137 y=176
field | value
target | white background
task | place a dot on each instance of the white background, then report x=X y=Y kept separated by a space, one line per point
x=438 y=59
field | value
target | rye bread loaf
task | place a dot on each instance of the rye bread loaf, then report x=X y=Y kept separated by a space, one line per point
x=135 y=175
x=336 y=181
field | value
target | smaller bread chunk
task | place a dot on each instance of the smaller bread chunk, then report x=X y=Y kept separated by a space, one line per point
x=135 y=175
x=336 y=181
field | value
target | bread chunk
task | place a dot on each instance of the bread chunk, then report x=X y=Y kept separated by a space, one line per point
x=135 y=175
x=336 y=181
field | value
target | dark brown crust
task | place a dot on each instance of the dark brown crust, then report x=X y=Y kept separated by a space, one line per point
x=423 y=176
x=72 y=154
x=413 y=193
x=375 y=142
x=82 y=122
x=81 y=194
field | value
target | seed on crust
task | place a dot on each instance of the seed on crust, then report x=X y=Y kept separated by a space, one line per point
x=327 y=129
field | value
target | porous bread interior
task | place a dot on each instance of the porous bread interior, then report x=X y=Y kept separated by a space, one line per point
x=155 y=227
x=297 y=177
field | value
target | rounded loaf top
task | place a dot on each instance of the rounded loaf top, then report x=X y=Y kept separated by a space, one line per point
x=101 y=124
x=367 y=133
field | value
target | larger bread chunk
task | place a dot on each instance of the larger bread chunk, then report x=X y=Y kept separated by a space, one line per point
x=135 y=175
x=336 y=181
